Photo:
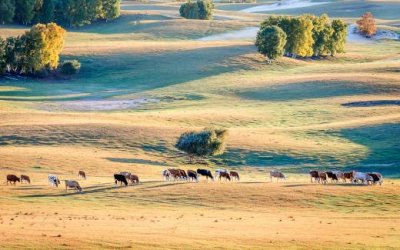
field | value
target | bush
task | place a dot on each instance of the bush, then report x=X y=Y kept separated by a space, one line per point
x=202 y=9
x=70 y=67
x=204 y=143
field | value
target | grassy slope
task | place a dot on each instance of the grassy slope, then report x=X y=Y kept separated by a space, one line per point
x=287 y=115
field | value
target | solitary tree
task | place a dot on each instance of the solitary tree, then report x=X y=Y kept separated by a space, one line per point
x=367 y=25
x=207 y=142
x=7 y=10
x=271 y=41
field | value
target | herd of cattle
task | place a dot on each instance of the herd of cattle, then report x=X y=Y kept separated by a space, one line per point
x=352 y=176
x=174 y=174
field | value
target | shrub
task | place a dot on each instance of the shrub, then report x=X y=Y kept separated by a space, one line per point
x=207 y=142
x=70 y=67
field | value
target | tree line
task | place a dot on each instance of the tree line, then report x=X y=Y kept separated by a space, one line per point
x=201 y=9
x=67 y=13
x=33 y=53
x=303 y=36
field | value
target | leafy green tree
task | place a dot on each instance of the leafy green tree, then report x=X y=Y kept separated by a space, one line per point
x=47 y=11
x=7 y=10
x=14 y=54
x=3 y=63
x=111 y=9
x=206 y=8
x=321 y=33
x=24 y=11
x=207 y=142
x=271 y=41
x=189 y=10
x=338 y=38
x=202 y=9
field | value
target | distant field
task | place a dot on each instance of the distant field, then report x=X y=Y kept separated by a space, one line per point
x=145 y=79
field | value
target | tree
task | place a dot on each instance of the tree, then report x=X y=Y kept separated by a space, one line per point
x=338 y=38
x=206 y=8
x=47 y=11
x=111 y=9
x=271 y=41
x=366 y=25
x=24 y=11
x=3 y=64
x=207 y=142
x=202 y=9
x=302 y=37
x=7 y=10
x=322 y=33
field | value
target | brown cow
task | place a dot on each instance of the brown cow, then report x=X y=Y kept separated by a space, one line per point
x=235 y=175
x=349 y=175
x=183 y=174
x=322 y=177
x=314 y=175
x=224 y=175
x=25 y=178
x=12 y=179
x=82 y=174
x=134 y=179
x=72 y=184
x=175 y=173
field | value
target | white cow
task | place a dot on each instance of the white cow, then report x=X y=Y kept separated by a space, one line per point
x=53 y=180
x=363 y=177
x=166 y=174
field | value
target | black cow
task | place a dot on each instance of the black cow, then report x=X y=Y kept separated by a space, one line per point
x=192 y=175
x=205 y=172
x=120 y=178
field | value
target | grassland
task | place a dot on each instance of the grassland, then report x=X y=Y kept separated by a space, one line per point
x=290 y=115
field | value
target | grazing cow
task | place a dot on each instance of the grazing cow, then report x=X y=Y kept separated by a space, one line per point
x=126 y=174
x=224 y=175
x=377 y=178
x=183 y=174
x=363 y=177
x=72 y=184
x=219 y=171
x=314 y=175
x=277 y=174
x=192 y=175
x=322 y=177
x=206 y=173
x=82 y=174
x=175 y=173
x=25 y=178
x=235 y=175
x=12 y=179
x=331 y=175
x=339 y=175
x=120 y=178
x=349 y=175
x=134 y=179
x=53 y=180
x=166 y=174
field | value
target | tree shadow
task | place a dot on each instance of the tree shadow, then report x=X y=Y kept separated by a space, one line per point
x=111 y=75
